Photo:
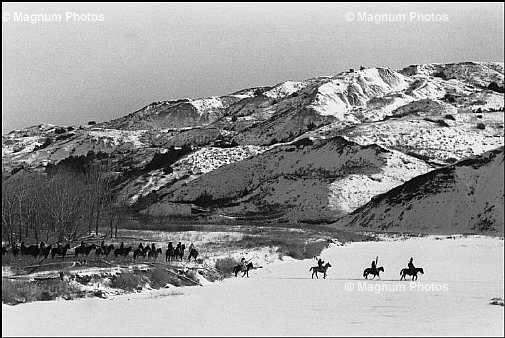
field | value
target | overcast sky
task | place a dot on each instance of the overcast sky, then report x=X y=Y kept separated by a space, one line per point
x=69 y=72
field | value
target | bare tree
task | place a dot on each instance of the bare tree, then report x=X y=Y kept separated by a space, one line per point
x=64 y=204
x=8 y=210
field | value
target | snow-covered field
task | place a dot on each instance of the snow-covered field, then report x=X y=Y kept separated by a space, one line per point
x=462 y=275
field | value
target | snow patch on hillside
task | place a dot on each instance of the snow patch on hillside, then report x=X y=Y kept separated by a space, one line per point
x=285 y=89
x=204 y=105
x=191 y=167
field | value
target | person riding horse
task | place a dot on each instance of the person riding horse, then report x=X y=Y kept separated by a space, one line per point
x=411 y=265
x=102 y=245
x=191 y=247
x=320 y=263
x=243 y=264
x=374 y=265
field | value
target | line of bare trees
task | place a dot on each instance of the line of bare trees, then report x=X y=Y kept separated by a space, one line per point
x=61 y=206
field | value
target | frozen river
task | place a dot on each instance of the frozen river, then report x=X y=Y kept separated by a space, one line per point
x=451 y=298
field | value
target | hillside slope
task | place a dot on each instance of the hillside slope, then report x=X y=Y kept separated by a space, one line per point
x=465 y=197
x=303 y=180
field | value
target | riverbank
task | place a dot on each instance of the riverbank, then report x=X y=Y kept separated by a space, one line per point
x=282 y=299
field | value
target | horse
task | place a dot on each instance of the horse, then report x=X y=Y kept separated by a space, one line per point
x=169 y=254
x=122 y=251
x=193 y=253
x=153 y=247
x=368 y=271
x=407 y=271
x=141 y=252
x=316 y=269
x=44 y=252
x=238 y=268
x=32 y=250
x=80 y=250
x=15 y=249
x=61 y=251
x=154 y=254
x=104 y=251
x=179 y=251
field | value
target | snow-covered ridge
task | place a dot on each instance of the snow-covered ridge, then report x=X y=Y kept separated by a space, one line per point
x=436 y=114
x=465 y=197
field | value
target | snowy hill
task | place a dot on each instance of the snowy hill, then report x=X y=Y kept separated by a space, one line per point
x=305 y=180
x=465 y=197
x=309 y=149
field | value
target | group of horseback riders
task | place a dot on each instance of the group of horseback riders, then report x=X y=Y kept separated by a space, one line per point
x=373 y=268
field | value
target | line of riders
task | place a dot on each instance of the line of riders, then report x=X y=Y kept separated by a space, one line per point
x=175 y=253
x=411 y=270
x=150 y=251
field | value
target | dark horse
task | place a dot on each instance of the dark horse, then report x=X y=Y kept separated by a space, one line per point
x=122 y=251
x=60 y=251
x=31 y=250
x=15 y=249
x=193 y=253
x=368 y=271
x=104 y=251
x=179 y=253
x=84 y=250
x=238 y=268
x=154 y=254
x=169 y=254
x=141 y=252
x=45 y=251
x=407 y=271
x=316 y=269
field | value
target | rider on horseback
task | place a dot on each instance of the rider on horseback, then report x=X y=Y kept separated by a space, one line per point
x=320 y=263
x=411 y=265
x=243 y=264
x=374 y=264
x=191 y=247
